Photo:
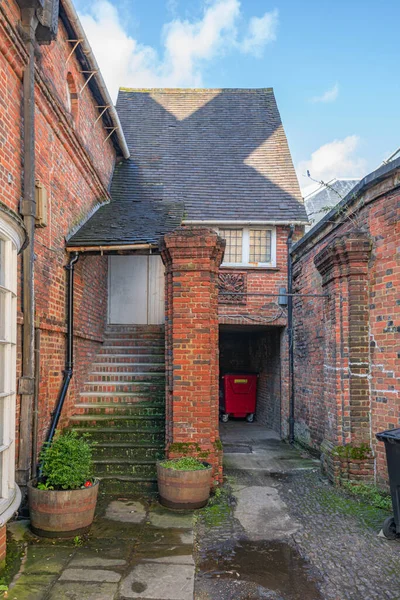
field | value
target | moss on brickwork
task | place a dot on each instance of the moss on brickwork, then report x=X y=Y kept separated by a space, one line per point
x=350 y=452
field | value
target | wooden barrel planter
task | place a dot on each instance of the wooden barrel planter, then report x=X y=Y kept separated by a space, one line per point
x=64 y=513
x=184 y=489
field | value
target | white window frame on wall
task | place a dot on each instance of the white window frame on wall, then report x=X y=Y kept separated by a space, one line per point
x=246 y=248
x=11 y=240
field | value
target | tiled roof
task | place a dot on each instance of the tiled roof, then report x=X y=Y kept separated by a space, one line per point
x=223 y=153
x=132 y=217
x=196 y=155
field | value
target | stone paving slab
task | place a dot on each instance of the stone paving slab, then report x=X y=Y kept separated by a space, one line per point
x=47 y=560
x=83 y=591
x=96 y=561
x=91 y=575
x=126 y=511
x=263 y=514
x=156 y=581
x=31 y=587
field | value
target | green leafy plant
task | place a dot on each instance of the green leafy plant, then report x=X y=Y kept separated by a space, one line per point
x=187 y=463
x=78 y=541
x=370 y=493
x=66 y=463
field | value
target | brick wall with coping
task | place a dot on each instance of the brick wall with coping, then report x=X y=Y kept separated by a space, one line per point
x=347 y=346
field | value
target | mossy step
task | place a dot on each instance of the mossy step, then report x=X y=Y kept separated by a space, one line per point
x=127 y=375
x=124 y=408
x=126 y=451
x=117 y=421
x=143 y=469
x=117 y=396
x=119 y=486
x=122 y=359
x=124 y=434
x=129 y=368
x=150 y=349
x=123 y=386
x=137 y=405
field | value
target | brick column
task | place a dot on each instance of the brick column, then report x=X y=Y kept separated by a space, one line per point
x=343 y=265
x=192 y=258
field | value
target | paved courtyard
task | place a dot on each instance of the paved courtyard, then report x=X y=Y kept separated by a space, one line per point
x=275 y=531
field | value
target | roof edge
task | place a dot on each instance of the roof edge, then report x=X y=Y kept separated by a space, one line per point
x=353 y=195
x=171 y=90
x=75 y=23
x=243 y=222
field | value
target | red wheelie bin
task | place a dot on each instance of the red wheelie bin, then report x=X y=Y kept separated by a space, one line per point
x=239 y=396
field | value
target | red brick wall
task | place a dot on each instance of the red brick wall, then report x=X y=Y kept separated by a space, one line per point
x=265 y=281
x=75 y=164
x=339 y=399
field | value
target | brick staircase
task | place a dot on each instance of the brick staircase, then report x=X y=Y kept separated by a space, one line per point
x=122 y=407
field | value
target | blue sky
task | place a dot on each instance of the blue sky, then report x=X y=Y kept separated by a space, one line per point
x=334 y=65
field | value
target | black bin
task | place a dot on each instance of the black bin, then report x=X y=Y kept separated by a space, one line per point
x=391 y=438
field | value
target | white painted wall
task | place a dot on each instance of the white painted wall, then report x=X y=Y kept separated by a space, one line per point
x=136 y=290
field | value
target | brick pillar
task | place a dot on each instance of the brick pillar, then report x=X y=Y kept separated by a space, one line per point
x=343 y=265
x=192 y=258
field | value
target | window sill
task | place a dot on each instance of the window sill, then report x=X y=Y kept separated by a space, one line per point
x=248 y=268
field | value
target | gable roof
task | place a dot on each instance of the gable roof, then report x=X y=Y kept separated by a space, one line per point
x=327 y=196
x=196 y=155
x=222 y=153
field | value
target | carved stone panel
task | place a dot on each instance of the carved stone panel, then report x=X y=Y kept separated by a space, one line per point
x=231 y=287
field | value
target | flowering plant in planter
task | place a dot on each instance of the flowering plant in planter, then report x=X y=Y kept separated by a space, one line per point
x=63 y=501
x=184 y=483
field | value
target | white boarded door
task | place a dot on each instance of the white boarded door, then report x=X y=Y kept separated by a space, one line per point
x=136 y=290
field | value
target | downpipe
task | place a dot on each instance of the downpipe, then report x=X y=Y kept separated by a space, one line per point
x=290 y=334
x=69 y=362
x=26 y=384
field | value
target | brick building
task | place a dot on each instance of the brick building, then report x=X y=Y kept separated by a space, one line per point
x=347 y=343
x=216 y=162
x=58 y=148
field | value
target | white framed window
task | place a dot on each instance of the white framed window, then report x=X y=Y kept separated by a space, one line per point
x=249 y=246
x=10 y=241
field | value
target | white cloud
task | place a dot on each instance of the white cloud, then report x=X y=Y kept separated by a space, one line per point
x=328 y=96
x=261 y=31
x=187 y=45
x=335 y=159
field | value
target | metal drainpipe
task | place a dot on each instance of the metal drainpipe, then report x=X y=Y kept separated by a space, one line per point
x=69 y=363
x=290 y=335
x=26 y=386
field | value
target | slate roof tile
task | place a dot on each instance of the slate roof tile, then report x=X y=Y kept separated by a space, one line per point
x=197 y=155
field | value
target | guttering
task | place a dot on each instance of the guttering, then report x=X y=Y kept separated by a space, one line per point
x=240 y=222
x=290 y=334
x=80 y=34
x=26 y=383
x=111 y=248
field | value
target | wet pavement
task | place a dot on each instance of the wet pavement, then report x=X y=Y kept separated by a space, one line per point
x=286 y=534
x=135 y=549
x=276 y=530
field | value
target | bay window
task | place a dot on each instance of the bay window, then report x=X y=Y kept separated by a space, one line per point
x=10 y=242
